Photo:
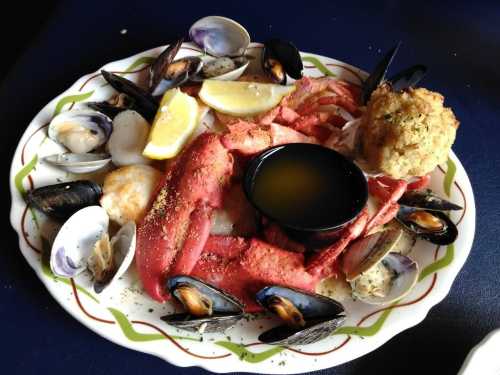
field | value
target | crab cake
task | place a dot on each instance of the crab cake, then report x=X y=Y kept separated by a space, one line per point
x=407 y=133
x=127 y=191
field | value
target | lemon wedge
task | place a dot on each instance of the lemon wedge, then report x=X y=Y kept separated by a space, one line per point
x=242 y=98
x=173 y=124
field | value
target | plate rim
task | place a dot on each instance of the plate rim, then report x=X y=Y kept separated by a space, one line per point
x=382 y=336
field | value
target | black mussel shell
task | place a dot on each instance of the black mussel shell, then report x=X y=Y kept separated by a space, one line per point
x=408 y=77
x=179 y=72
x=227 y=310
x=60 y=201
x=144 y=103
x=426 y=199
x=322 y=316
x=280 y=58
x=158 y=68
x=112 y=107
x=378 y=74
x=445 y=236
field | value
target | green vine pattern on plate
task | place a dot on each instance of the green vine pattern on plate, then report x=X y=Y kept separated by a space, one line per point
x=239 y=350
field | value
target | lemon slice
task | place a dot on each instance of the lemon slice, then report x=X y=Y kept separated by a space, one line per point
x=174 y=122
x=242 y=98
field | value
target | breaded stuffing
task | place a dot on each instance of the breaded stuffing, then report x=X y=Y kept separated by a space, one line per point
x=127 y=191
x=407 y=133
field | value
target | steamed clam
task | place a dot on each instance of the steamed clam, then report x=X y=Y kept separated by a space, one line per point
x=376 y=273
x=79 y=130
x=308 y=317
x=60 y=201
x=220 y=36
x=423 y=213
x=78 y=163
x=83 y=242
x=207 y=309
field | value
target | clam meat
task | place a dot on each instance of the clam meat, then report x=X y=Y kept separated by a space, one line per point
x=80 y=130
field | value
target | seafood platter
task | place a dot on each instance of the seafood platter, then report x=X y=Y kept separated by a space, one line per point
x=244 y=206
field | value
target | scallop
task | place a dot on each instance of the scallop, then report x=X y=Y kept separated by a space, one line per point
x=128 y=139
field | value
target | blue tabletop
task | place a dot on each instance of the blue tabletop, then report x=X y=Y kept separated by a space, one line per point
x=459 y=42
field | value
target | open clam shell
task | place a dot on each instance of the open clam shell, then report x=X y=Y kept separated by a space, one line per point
x=220 y=36
x=123 y=250
x=80 y=130
x=319 y=316
x=78 y=163
x=378 y=275
x=208 y=309
x=76 y=239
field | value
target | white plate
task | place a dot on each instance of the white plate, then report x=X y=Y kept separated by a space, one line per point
x=483 y=358
x=131 y=319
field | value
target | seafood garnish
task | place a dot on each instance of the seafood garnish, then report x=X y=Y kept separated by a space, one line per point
x=60 y=201
x=309 y=317
x=207 y=308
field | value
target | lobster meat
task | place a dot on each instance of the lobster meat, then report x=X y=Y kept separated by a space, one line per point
x=174 y=237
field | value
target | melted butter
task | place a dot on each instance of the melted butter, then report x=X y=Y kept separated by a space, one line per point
x=304 y=190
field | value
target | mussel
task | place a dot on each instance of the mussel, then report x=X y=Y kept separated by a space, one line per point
x=144 y=103
x=79 y=130
x=157 y=69
x=60 y=201
x=207 y=309
x=400 y=81
x=280 y=58
x=376 y=273
x=78 y=163
x=308 y=317
x=113 y=106
x=423 y=213
x=177 y=73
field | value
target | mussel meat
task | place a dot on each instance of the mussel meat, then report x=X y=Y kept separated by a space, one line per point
x=162 y=62
x=400 y=81
x=144 y=103
x=376 y=273
x=113 y=106
x=79 y=130
x=78 y=163
x=423 y=213
x=177 y=73
x=208 y=309
x=60 y=201
x=308 y=317
x=220 y=36
x=280 y=58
